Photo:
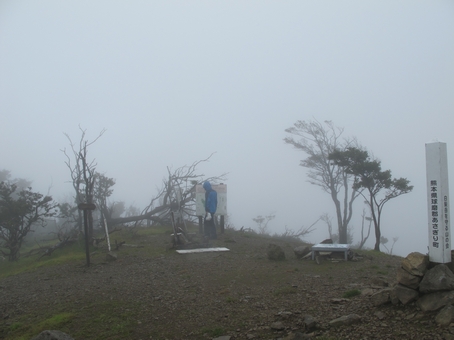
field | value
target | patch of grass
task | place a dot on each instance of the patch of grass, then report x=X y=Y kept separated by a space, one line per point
x=156 y=230
x=230 y=299
x=73 y=252
x=248 y=235
x=15 y=326
x=114 y=320
x=373 y=254
x=55 y=322
x=214 y=332
x=379 y=270
x=27 y=330
x=351 y=293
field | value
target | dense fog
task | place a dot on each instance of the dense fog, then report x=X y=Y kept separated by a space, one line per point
x=174 y=82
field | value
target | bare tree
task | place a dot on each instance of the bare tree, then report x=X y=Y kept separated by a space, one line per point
x=318 y=141
x=364 y=238
x=178 y=189
x=301 y=232
x=82 y=174
x=328 y=220
x=262 y=222
x=384 y=240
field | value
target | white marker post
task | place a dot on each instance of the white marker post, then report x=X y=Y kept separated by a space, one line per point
x=438 y=203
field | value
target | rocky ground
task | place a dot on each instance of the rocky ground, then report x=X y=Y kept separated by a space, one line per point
x=238 y=294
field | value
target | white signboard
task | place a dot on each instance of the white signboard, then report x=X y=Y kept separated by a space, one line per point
x=221 y=189
x=438 y=203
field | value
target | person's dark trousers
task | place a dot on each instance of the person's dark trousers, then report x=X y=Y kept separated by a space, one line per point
x=210 y=228
x=206 y=230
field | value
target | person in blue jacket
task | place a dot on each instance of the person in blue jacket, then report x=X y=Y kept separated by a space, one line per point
x=211 y=204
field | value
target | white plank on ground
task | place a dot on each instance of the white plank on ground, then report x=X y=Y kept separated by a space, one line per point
x=201 y=250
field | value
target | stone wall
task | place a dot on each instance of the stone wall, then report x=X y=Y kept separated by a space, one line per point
x=429 y=285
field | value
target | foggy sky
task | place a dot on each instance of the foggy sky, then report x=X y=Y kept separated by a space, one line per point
x=174 y=81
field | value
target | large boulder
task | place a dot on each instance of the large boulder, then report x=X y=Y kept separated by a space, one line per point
x=438 y=278
x=379 y=281
x=405 y=295
x=435 y=301
x=110 y=257
x=310 y=323
x=301 y=251
x=407 y=279
x=381 y=297
x=416 y=263
x=277 y=326
x=275 y=252
x=345 y=320
x=446 y=316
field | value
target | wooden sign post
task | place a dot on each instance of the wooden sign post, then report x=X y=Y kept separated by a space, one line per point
x=85 y=207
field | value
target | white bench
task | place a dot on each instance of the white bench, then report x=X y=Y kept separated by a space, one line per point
x=322 y=247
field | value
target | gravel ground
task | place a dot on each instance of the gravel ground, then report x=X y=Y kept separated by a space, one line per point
x=239 y=293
